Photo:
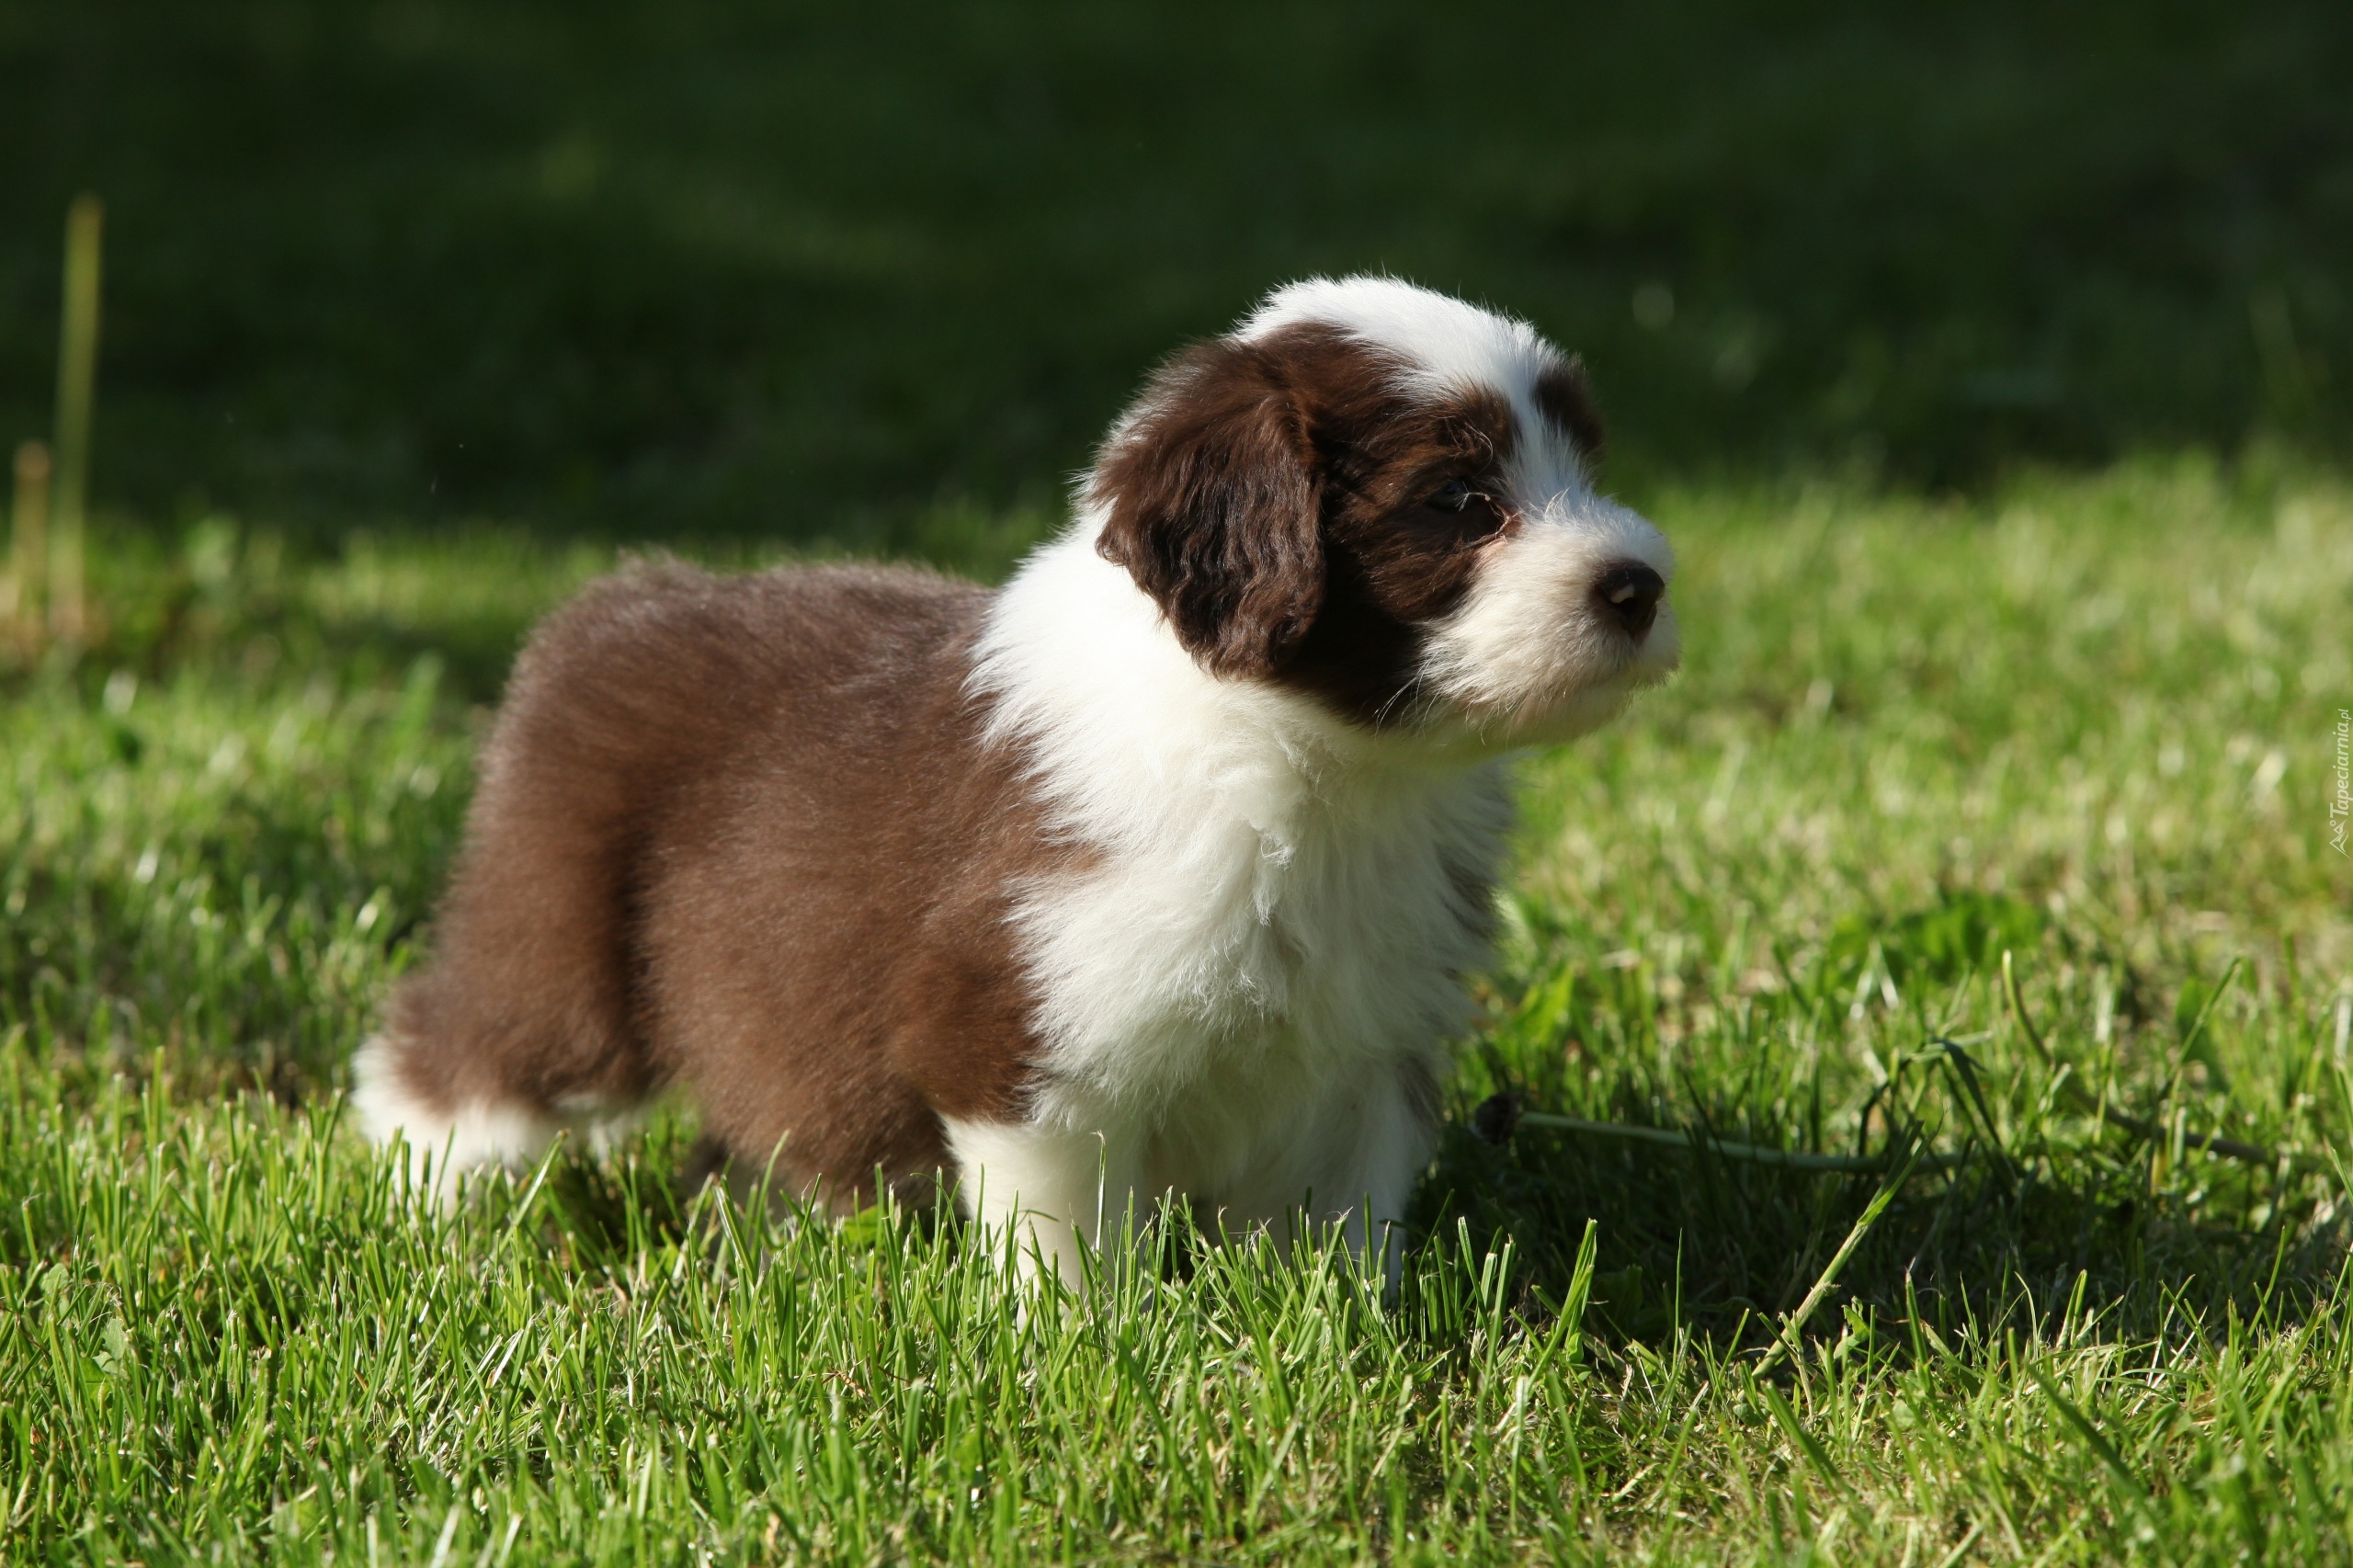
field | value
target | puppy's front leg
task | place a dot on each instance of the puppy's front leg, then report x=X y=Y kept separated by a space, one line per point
x=1360 y=1163
x=1377 y=1182
x=1051 y=1190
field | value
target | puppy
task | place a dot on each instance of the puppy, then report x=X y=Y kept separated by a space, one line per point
x=1156 y=871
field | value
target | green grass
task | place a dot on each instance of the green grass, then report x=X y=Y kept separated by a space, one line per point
x=2088 y=720
x=416 y=309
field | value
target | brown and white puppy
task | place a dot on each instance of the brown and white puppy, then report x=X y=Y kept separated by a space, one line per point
x=1158 y=871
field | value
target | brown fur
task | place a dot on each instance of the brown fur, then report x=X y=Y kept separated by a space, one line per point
x=739 y=835
x=1565 y=395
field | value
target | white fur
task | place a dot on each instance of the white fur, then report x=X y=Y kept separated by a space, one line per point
x=443 y=1144
x=1048 y=1186
x=1441 y=341
x=1524 y=655
x=440 y=1143
x=1264 y=957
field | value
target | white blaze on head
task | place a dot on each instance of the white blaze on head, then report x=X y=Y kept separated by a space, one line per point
x=1442 y=342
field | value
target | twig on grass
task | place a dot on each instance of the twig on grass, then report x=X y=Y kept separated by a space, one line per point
x=1499 y=1116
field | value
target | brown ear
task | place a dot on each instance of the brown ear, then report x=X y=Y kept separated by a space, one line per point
x=1213 y=493
x=1565 y=395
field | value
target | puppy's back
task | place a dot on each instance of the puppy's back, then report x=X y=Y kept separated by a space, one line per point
x=663 y=664
x=682 y=864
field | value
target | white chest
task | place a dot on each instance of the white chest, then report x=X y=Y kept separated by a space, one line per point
x=1241 y=961
x=1275 y=901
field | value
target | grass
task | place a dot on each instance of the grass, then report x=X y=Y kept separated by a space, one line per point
x=1992 y=366
x=2088 y=721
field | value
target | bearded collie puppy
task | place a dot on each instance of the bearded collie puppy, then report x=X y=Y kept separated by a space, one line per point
x=1156 y=871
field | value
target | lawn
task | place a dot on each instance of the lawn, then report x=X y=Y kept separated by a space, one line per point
x=1991 y=366
x=2088 y=721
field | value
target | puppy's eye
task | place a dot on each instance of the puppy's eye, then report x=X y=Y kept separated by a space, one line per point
x=1453 y=495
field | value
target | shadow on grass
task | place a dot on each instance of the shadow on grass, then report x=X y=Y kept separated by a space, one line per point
x=1727 y=1249
x=1689 y=1244
x=2046 y=1206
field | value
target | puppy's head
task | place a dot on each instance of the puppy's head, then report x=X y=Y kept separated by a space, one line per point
x=1379 y=495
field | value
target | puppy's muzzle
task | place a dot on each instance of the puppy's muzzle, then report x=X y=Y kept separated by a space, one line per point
x=1627 y=595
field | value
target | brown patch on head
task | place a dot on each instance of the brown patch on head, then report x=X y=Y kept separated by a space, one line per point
x=1565 y=395
x=1283 y=501
x=1403 y=549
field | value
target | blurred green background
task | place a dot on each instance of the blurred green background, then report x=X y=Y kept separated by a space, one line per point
x=826 y=274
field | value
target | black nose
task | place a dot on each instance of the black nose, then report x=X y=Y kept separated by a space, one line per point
x=1628 y=593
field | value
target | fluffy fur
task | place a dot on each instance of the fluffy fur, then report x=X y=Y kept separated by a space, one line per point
x=1157 y=872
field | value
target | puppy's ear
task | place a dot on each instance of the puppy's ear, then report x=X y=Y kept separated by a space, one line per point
x=1214 y=496
x=1565 y=395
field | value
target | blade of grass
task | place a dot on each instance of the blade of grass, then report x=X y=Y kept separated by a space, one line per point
x=1795 y=1322
x=1567 y=1339
x=1807 y=1444
x=2091 y=1433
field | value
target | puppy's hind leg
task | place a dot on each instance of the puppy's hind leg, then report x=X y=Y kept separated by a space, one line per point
x=469 y=1074
x=521 y=1024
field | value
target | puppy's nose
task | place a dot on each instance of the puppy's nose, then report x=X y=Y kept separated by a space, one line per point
x=1629 y=594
